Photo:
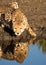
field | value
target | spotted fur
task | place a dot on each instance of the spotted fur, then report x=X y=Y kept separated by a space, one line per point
x=21 y=51
x=20 y=23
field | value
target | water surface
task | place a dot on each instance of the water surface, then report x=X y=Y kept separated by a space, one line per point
x=36 y=56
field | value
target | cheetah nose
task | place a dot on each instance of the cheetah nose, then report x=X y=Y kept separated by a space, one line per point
x=17 y=33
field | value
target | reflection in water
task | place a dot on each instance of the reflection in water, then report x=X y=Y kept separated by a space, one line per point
x=14 y=50
x=18 y=51
x=42 y=44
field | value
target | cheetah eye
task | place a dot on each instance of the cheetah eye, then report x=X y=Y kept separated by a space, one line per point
x=15 y=28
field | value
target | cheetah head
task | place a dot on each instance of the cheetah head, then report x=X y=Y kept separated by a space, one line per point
x=19 y=28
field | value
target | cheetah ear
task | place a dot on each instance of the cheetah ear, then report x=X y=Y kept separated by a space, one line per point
x=14 y=5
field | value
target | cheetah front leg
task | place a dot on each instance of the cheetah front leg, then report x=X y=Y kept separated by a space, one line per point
x=31 y=31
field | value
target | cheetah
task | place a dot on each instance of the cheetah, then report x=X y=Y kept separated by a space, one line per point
x=20 y=22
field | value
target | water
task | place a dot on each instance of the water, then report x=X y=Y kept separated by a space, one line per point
x=36 y=56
